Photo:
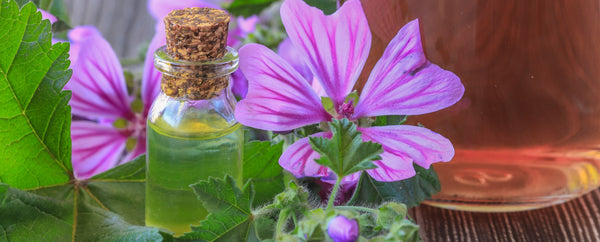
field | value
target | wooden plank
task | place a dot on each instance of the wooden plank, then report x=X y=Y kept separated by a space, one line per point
x=126 y=25
x=576 y=220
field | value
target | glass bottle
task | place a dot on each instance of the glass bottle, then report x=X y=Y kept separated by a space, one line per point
x=527 y=131
x=188 y=141
x=192 y=134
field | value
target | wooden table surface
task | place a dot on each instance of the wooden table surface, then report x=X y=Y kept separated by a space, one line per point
x=127 y=24
x=576 y=220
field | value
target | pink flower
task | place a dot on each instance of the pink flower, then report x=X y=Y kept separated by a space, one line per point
x=48 y=16
x=99 y=95
x=341 y=229
x=335 y=48
x=242 y=27
x=295 y=58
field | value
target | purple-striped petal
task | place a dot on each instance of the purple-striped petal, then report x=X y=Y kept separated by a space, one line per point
x=96 y=148
x=403 y=82
x=337 y=46
x=278 y=99
x=98 y=84
x=392 y=167
x=76 y=37
x=299 y=159
x=140 y=148
x=151 y=76
x=292 y=55
x=405 y=143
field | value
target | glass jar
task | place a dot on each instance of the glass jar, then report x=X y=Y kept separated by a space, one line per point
x=189 y=140
x=527 y=131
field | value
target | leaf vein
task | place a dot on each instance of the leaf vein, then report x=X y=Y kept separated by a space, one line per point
x=96 y=199
x=75 y=210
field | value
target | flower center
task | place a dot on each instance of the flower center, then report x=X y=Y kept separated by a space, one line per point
x=346 y=110
x=138 y=126
x=135 y=129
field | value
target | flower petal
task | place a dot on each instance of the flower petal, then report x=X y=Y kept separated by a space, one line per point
x=299 y=159
x=151 y=76
x=392 y=168
x=241 y=28
x=292 y=55
x=342 y=229
x=278 y=97
x=48 y=16
x=247 y=25
x=403 y=144
x=96 y=148
x=98 y=84
x=76 y=37
x=403 y=82
x=337 y=46
x=240 y=84
x=140 y=148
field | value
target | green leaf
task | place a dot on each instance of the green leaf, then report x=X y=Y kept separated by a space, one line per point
x=54 y=7
x=352 y=97
x=294 y=197
x=404 y=230
x=122 y=190
x=248 y=8
x=261 y=164
x=389 y=213
x=109 y=206
x=345 y=153
x=311 y=227
x=327 y=104
x=231 y=217
x=327 y=6
x=135 y=170
x=411 y=191
x=35 y=144
x=390 y=120
x=35 y=149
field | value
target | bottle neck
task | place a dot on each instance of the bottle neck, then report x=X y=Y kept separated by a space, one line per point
x=194 y=88
x=224 y=94
x=195 y=80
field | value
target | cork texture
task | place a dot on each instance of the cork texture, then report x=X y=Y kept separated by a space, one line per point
x=195 y=35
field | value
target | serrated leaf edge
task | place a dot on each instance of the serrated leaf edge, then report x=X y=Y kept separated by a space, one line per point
x=27 y=8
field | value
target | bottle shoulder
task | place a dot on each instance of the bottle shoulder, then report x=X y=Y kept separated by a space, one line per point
x=181 y=117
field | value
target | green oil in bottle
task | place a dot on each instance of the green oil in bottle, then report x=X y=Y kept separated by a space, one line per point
x=192 y=133
x=183 y=155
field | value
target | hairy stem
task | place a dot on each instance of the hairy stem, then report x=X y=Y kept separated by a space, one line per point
x=281 y=221
x=334 y=192
x=361 y=209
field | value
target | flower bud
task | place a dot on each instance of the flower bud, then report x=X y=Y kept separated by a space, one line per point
x=341 y=229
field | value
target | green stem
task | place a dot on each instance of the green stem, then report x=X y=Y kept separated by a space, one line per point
x=283 y=216
x=362 y=209
x=334 y=192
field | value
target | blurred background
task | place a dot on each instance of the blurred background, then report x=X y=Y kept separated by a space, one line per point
x=127 y=25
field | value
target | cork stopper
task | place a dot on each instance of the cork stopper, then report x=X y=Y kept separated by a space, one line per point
x=195 y=35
